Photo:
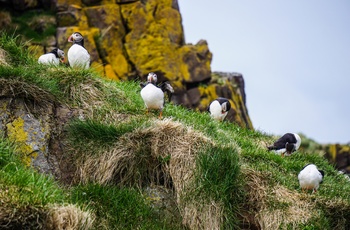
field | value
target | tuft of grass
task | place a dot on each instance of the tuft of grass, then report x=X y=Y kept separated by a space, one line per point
x=119 y=208
x=82 y=131
x=24 y=193
x=217 y=176
x=16 y=50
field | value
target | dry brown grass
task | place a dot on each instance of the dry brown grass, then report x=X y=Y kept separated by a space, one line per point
x=276 y=206
x=165 y=148
x=16 y=215
x=19 y=89
x=3 y=57
x=87 y=92
x=68 y=217
x=162 y=154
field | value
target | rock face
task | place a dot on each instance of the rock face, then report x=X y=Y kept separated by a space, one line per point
x=34 y=126
x=339 y=155
x=127 y=39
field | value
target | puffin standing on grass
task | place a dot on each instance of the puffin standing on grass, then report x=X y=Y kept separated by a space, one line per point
x=219 y=108
x=153 y=95
x=310 y=178
x=286 y=144
x=78 y=56
x=52 y=58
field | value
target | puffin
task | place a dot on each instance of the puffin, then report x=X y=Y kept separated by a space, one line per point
x=286 y=144
x=78 y=56
x=219 y=108
x=153 y=94
x=52 y=58
x=310 y=177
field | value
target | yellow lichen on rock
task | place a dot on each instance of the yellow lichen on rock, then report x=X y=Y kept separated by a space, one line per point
x=16 y=132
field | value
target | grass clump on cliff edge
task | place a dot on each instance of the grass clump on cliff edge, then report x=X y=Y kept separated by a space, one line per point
x=29 y=200
x=218 y=175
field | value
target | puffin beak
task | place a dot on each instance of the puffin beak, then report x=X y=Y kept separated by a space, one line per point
x=70 y=39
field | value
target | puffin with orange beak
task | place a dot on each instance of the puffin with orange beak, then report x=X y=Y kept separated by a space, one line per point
x=52 y=58
x=78 y=56
x=153 y=94
x=219 y=108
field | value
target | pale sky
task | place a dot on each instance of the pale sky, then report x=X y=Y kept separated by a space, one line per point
x=294 y=56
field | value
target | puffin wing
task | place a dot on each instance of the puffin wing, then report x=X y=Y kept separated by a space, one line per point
x=166 y=87
x=281 y=142
x=143 y=85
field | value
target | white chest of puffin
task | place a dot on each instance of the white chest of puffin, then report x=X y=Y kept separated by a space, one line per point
x=153 y=95
x=52 y=58
x=78 y=56
x=310 y=177
x=219 y=108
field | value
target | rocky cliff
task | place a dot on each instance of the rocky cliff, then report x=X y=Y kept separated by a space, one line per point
x=127 y=39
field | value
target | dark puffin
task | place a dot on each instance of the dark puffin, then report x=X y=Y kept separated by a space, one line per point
x=219 y=108
x=77 y=55
x=286 y=144
x=52 y=58
x=310 y=178
x=153 y=94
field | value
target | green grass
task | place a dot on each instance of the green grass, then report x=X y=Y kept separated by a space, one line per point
x=35 y=187
x=218 y=173
x=25 y=192
x=83 y=131
x=119 y=208
x=24 y=24
x=217 y=179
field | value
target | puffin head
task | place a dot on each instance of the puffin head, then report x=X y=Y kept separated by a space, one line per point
x=58 y=53
x=225 y=107
x=152 y=78
x=76 y=38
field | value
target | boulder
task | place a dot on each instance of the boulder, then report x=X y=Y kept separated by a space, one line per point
x=108 y=20
x=31 y=133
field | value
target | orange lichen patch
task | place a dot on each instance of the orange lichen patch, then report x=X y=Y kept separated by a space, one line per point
x=109 y=73
x=98 y=67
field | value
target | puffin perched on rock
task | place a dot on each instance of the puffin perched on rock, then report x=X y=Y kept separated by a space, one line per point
x=52 y=58
x=286 y=144
x=310 y=178
x=219 y=108
x=78 y=56
x=153 y=94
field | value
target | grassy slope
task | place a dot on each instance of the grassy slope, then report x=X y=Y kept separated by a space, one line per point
x=235 y=176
